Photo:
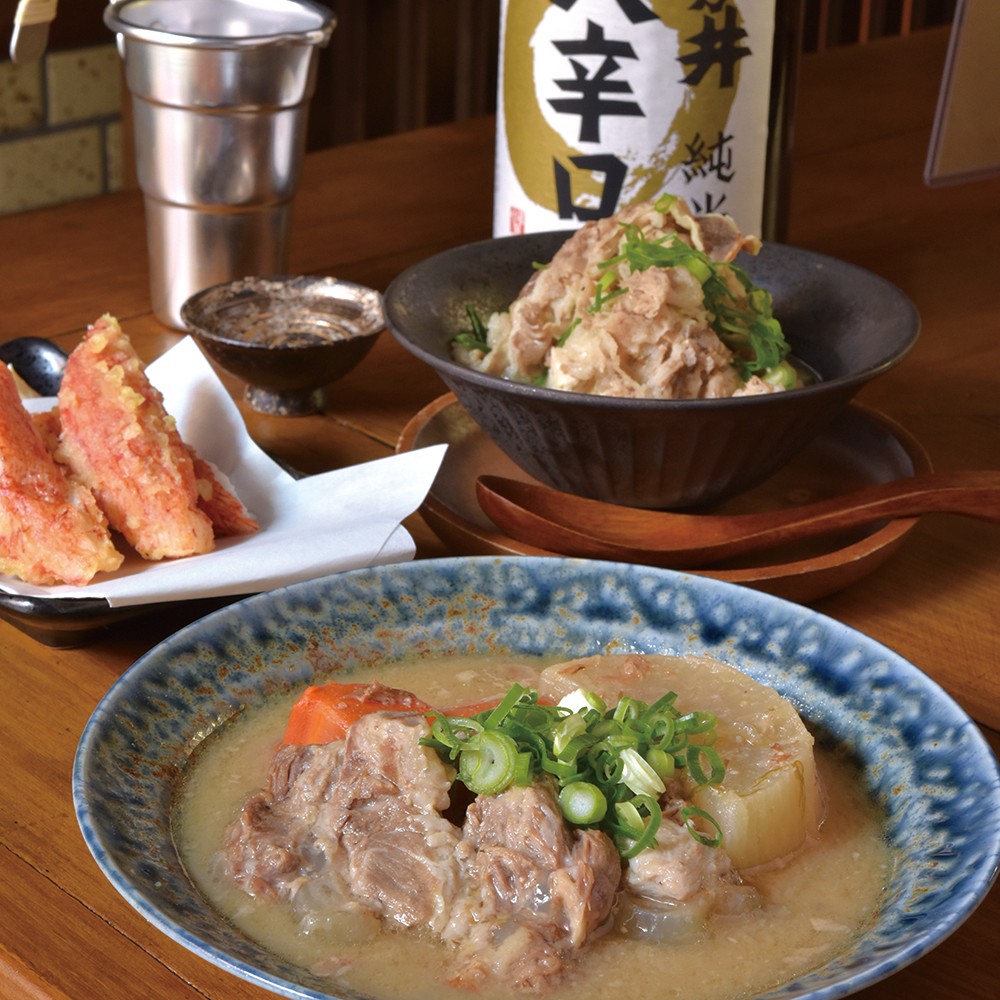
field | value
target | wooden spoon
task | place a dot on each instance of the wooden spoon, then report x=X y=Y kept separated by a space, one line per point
x=576 y=526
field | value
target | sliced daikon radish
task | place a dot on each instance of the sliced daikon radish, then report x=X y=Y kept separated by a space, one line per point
x=770 y=801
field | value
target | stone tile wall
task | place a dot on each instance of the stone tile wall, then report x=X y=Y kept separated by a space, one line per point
x=60 y=128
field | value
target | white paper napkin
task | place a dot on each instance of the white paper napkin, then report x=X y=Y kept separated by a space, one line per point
x=340 y=520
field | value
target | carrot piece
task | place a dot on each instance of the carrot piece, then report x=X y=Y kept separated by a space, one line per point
x=324 y=712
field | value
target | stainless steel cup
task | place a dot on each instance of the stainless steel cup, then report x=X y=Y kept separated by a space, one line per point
x=220 y=97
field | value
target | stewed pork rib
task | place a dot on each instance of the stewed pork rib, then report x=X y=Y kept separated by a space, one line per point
x=539 y=890
x=363 y=816
x=357 y=822
x=360 y=823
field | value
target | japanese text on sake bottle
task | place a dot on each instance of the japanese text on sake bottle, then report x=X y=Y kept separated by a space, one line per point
x=602 y=103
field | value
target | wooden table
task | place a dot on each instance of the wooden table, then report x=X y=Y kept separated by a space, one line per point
x=364 y=213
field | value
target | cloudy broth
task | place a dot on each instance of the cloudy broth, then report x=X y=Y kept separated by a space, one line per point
x=815 y=903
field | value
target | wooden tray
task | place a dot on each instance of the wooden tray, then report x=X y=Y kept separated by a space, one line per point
x=862 y=446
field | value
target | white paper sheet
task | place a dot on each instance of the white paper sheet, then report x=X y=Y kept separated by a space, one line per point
x=340 y=520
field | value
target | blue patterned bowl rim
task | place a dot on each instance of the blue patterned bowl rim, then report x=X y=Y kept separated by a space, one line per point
x=921 y=755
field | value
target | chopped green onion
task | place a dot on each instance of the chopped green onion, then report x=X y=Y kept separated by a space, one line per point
x=452 y=734
x=637 y=832
x=639 y=776
x=696 y=722
x=662 y=763
x=665 y=202
x=509 y=700
x=782 y=375
x=627 y=709
x=565 y=335
x=488 y=762
x=749 y=330
x=523 y=769
x=579 y=744
x=629 y=821
x=477 y=338
x=716 y=769
x=580 y=699
x=565 y=731
x=583 y=803
x=604 y=292
x=689 y=814
x=627 y=752
x=564 y=769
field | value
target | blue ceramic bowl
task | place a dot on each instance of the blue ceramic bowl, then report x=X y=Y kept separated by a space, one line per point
x=924 y=760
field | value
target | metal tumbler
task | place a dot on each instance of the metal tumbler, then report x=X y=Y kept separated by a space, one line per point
x=220 y=97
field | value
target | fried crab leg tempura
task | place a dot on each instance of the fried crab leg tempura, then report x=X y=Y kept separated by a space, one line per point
x=217 y=500
x=51 y=529
x=118 y=439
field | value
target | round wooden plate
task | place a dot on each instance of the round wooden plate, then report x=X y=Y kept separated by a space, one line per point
x=862 y=446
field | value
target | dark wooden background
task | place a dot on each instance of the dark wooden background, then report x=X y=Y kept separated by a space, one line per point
x=393 y=65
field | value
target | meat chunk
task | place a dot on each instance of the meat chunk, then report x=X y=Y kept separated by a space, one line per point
x=359 y=823
x=678 y=868
x=356 y=822
x=676 y=886
x=385 y=812
x=51 y=530
x=540 y=889
x=653 y=337
x=272 y=846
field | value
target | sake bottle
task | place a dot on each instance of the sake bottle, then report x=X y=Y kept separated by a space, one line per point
x=602 y=103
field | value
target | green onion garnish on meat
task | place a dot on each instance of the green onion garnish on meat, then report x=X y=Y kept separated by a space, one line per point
x=474 y=339
x=564 y=336
x=488 y=762
x=609 y=765
x=749 y=330
x=583 y=803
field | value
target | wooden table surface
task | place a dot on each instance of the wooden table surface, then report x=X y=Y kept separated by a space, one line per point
x=364 y=213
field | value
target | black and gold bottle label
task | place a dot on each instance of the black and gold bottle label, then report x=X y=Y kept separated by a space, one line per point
x=602 y=103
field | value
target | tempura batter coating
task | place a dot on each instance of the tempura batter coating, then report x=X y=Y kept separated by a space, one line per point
x=118 y=438
x=51 y=529
x=223 y=507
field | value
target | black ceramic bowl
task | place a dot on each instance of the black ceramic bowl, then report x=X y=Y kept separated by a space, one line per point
x=845 y=323
x=286 y=337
